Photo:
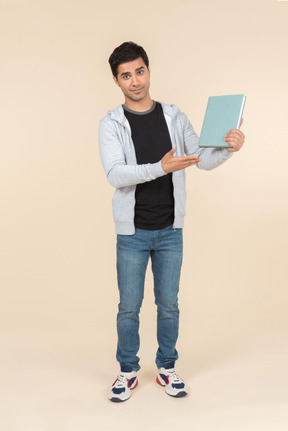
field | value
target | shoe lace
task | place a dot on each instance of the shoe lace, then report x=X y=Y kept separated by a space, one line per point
x=121 y=380
x=174 y=376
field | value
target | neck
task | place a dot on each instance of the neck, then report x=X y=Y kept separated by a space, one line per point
x=139 y=105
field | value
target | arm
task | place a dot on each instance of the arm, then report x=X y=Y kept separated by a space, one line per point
x=210 y=157
x=118 y=172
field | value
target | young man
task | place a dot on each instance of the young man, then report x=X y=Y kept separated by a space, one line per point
x=145 y=147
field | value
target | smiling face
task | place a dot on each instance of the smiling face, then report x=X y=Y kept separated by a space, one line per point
x=134 y=80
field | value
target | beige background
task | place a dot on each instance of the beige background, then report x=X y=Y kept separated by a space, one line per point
x=58 y=281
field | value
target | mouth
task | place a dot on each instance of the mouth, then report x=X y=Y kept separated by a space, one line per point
x=137 y=90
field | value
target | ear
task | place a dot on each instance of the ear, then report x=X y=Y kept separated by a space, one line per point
x=116 y=81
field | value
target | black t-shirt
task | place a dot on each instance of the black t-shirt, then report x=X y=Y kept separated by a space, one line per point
x=154 y=207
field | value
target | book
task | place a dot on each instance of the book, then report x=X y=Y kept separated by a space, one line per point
x=223 y=113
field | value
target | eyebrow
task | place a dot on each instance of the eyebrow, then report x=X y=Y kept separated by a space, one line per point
x=136 y=70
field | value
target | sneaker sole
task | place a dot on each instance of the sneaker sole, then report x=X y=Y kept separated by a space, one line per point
x=177 y=395
x=118 y=400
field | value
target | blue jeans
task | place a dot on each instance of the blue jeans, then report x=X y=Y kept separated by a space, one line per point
x=165 y=247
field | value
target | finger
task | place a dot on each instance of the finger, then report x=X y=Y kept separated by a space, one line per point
x=169 y=154
x=235 y=132
x=192 y=162
x=233 y=147
x=193 y=158
x=235 y=140
x=187 y=159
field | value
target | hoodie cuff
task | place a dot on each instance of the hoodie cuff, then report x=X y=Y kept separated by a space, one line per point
x=157 y=170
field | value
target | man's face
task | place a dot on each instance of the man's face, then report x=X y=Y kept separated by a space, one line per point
x=134 y=79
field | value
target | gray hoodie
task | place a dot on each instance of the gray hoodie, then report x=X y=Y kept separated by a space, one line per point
x=119 y=161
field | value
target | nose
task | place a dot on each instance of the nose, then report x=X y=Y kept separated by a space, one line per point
x=135 y=80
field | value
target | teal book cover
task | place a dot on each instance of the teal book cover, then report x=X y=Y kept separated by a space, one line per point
x=223 y=113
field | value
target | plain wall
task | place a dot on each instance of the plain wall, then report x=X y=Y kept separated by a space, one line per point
x=58 y=277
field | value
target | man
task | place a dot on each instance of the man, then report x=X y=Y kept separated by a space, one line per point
x=145 y=147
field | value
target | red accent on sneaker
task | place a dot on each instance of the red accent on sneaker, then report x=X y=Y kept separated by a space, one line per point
x=129 y=385
x=158 y=381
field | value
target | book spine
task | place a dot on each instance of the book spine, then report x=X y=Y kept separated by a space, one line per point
x=241 y=112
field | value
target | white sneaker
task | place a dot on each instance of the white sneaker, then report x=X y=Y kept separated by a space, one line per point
x=120 y=390
x=174 y=386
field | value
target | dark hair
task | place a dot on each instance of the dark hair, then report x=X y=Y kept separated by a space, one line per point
x=124 y=53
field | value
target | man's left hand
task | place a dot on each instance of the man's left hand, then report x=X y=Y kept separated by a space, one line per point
x=235 y=138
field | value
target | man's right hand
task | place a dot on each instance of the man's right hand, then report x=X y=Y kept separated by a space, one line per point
x=172 y=164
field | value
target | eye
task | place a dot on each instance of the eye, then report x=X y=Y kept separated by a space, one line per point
x=126 y=77
x=140 y=72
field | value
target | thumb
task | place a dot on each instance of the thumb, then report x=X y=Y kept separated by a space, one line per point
x=173 y=151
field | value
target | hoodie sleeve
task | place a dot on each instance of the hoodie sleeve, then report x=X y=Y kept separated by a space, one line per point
x=211 y=157
x=118 y=172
